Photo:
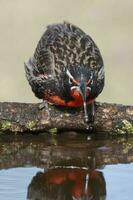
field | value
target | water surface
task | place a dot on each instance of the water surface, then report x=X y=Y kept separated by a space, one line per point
x=71 y=165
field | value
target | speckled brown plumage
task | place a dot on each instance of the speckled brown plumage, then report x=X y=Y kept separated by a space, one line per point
x=66 y=58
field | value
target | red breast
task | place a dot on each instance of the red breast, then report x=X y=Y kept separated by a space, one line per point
x=76 y=101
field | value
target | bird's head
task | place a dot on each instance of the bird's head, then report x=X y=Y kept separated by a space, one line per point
x=80 y=82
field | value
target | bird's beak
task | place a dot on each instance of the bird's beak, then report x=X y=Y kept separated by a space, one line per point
x=83 y=90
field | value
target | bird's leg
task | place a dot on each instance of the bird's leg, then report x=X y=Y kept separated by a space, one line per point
x=44 y=105
x=91 y=108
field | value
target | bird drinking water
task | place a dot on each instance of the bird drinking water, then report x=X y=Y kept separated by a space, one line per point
x=67 y=68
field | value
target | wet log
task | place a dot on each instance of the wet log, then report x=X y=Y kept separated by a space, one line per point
x=28 y=117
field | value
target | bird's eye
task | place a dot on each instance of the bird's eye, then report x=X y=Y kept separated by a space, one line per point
x=70 y=81
x=73 y=82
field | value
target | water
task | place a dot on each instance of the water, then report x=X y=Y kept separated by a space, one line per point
x=67 y=166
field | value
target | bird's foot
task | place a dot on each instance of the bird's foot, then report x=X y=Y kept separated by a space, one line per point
x=44 y=105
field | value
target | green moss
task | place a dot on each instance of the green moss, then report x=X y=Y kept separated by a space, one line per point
x=53 y=130
x=6 y=125
x=125 y=127
x=31 y=124
x=67 y=115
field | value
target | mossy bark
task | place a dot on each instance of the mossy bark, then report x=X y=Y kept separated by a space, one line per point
x=27 y=117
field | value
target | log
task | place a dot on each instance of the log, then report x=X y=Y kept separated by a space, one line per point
x=114 y=119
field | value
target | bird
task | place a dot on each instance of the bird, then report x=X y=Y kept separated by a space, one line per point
x=67 y=69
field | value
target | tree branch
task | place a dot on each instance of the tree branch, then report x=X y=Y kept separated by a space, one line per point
x=27 y=117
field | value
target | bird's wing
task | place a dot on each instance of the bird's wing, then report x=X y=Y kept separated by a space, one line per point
x=64 y=45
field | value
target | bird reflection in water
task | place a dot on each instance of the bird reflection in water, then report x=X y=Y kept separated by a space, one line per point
x=67 y=184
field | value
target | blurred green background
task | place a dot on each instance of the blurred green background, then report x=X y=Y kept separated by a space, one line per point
x=109 y=23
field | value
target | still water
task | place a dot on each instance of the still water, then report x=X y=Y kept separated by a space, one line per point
x=66 y=166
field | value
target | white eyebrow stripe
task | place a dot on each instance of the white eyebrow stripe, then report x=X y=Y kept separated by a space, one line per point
x=69 y=74
x=75 y=87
